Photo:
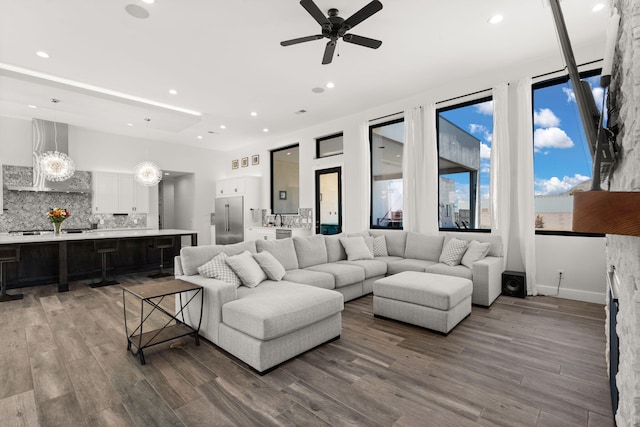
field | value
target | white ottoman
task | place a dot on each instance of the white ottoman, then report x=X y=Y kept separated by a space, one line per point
x=433 y=301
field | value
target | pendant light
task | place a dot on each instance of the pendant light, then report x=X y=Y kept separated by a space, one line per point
x=54 y=165
x=147 y=173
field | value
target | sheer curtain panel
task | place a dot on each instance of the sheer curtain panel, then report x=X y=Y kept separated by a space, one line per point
x=500 y=186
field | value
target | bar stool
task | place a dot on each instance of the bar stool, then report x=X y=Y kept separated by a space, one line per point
x=162 y=243
x=104 y=247
x=8 y=254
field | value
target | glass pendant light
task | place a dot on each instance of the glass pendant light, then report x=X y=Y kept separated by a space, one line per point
x=147 y=173
x=54 y=165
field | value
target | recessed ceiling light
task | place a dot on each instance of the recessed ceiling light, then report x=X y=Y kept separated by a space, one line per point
x=397 y=155
x=199 y=136
x=496 y=19
x=149 y=2
x=288 y=153
x=265 y=130
x=173 y=91
x=32 y=106
x=331 y=85
x=254 y=114
x=43 y=54
x=129 y=124
x=598 y=7
x=167 y=173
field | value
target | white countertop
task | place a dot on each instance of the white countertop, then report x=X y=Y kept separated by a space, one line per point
x=92 y=235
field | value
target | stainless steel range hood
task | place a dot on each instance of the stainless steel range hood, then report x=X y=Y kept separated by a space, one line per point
x=48 y=136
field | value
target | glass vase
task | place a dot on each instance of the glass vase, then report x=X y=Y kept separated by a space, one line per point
x=57 y=226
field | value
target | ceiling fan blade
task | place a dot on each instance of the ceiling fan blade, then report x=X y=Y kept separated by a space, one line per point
x=316 y=13
x=362 y=41
x=301 y=40
x=328 y=52
x=373 y=7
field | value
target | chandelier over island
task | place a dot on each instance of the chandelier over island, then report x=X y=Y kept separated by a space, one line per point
x=146 y=172
x=54 y=165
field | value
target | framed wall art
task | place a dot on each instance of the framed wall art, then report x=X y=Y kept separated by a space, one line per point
x=283 y=195
x=255 y=159
x=245 y=162
x=234 y=164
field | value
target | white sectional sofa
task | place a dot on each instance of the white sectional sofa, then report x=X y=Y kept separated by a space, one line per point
x=270 y=323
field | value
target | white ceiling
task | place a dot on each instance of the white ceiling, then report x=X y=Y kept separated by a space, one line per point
x=225 y=60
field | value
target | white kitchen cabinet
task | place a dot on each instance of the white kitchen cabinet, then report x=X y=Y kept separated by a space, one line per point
x=269 y=233
x=232 y=187
x=118 y=193
x=105 y=192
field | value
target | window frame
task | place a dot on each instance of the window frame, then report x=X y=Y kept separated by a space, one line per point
x=438 y=111
x=554 y=81
x=324 y=138
x=371 y=127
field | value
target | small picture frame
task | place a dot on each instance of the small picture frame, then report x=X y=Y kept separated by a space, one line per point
x=283 y=195
x=234 y=164
x=245 y=162
x=255 y=159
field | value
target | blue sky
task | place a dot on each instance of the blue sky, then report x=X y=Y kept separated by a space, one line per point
x=561 y=156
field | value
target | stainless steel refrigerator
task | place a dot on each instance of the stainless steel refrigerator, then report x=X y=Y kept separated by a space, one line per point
x=229 y=220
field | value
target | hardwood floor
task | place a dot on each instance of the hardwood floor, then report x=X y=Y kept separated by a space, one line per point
x=533 y=362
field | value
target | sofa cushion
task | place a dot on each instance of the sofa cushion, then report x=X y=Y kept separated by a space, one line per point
x=343 y=274
x=270 y=265
x=335 y=250
x=453 y=251
x=495 y=241
x=372 y=268
x=312 y=278
x=282 y=249
x=356 y=248
x=475 y=252
x=423 y=246
x=310 y=250
x=217 y=268
x=192 y=257
x=395 y=267
x=388 y=259
x=380 y=246
x=274 y=309
x=396 y=240
x=456 y=270
x=247 y=269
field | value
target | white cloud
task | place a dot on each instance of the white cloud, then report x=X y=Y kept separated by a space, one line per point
x=553 y=137
x=485 y=108
x=485 y=151
x=482 y=130
x=571 y=96
x=555 y=185
x=545 y=118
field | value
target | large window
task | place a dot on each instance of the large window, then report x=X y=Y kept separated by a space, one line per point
x=285 y=180
x=387 y=143
x=464 y=151
x=562 y=158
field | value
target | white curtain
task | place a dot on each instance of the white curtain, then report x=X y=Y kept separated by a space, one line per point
x=500 y=187
x=526 y=196
x=365 y=171
x=420 y=172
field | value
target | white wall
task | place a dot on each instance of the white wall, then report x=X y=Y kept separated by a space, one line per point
x=587 y=287
x=92 y=150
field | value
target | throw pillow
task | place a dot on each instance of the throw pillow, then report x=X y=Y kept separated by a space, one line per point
x=475 y=252
x=270 y=265
x=369 y=242
x=247 y=269
x=380 y=246
x=453 y=251
x=217 y=268
x=356 y=248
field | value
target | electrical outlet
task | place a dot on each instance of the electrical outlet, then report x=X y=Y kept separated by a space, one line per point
x=561 y=273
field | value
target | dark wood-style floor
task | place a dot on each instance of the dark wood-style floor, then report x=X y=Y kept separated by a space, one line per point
x=533 y=362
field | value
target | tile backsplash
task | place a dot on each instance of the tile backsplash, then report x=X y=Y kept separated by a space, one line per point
x=27 y=210
x=304 y=219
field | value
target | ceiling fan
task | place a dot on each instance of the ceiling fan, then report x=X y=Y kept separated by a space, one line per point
x=335 y=27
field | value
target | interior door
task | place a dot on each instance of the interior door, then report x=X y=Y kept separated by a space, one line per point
x=329 y=201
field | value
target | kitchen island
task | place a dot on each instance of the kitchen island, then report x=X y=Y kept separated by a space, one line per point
x=47 y=258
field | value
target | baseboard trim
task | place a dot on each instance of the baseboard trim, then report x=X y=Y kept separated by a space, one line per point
x=572 y=294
